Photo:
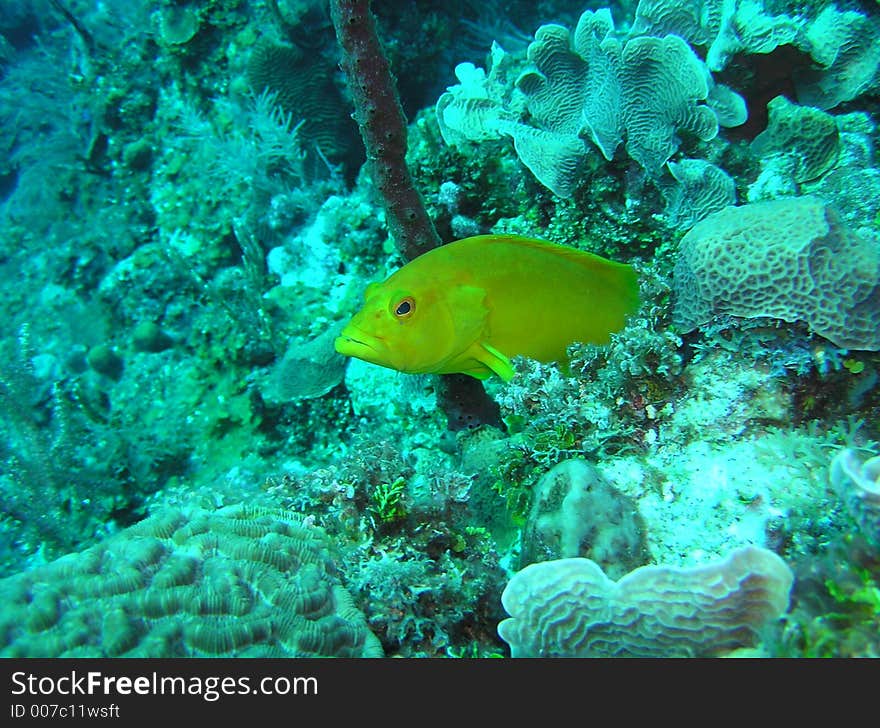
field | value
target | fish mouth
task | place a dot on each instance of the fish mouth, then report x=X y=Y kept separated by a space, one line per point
x=365 y=347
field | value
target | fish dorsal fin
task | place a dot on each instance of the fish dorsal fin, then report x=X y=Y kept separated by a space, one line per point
x=621 y=272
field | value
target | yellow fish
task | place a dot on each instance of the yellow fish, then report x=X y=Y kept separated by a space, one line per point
x=471 y=305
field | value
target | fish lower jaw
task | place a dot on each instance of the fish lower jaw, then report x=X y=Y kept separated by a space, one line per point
x=351 y=346
x=346 y=344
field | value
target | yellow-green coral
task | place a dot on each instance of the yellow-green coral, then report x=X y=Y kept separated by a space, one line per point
x=387 y=504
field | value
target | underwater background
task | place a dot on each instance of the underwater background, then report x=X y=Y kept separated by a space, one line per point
x=187 y=223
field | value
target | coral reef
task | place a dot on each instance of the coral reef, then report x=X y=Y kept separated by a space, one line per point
x=586 y=83
x=701 y=189
x=808 y=134
x=791 y=259
x=570 y=608
x=858 y=485
x=427 y=578
x=185 y=225
x=188 y=582
x=844 y=44
x=722 y=28
x=303 y=84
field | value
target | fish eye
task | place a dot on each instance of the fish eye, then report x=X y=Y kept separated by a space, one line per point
x=404 y=308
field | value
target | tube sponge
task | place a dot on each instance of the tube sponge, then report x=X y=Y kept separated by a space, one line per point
x=570 y=608
x=382 y=125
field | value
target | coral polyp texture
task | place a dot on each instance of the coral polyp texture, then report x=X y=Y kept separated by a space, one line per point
x=570 y=608
x=190 y=216
x=844 y=45
x=237 y=581
x=808 y=134
x=858 y=485
x=723 y=27
x=791 y=259
x=589 y=84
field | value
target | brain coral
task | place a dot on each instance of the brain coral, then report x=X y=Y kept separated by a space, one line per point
x=237 y=581
x=570 y=608
x=790 y=259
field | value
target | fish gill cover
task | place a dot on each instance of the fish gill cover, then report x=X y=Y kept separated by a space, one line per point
x=187 y=228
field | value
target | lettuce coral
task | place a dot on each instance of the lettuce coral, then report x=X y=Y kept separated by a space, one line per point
x=809 y=135
x=589 y=84
x=844 y=44
x=700 y=189
x=723 y=27
x=858 y=484
x=570 y=608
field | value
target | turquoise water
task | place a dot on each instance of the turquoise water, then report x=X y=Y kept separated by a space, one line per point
x=194 y=197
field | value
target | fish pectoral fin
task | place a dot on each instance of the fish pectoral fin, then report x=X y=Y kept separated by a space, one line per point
x=481 y=373
x=495 y=360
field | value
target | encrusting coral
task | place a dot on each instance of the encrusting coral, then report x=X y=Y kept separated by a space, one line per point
x=577 y=512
